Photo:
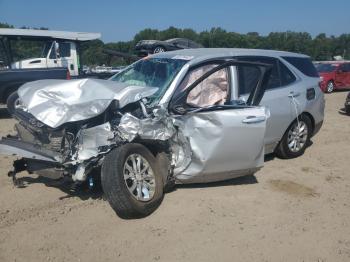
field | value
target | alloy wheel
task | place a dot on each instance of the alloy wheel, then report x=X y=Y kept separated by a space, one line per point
x=159 y=49
x=330 y=87
x=297 y=136
x=139 y=177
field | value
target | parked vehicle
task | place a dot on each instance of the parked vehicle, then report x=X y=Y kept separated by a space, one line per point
x=347 y=104
x=61 y=49
x=146 y=47
x=335 y=75
x=11 y=80
x=204 y=115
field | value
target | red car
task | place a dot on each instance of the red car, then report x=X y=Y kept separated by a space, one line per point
x=334 y=75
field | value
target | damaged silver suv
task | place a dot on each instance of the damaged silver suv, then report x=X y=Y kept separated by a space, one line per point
x=190 y=116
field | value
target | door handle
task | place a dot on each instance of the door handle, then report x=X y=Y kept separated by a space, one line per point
x=254 y=119
x=294 y=94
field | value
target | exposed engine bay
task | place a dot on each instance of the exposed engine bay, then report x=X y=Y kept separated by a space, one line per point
x=75 y=148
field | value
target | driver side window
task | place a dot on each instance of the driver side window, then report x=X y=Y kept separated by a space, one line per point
x=213 y=90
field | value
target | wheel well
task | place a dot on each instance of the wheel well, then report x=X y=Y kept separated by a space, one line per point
x=155 y=147
x=10 y=90
x=307 y=114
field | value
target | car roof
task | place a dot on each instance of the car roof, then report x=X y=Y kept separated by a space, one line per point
x=48 y=34
x=173 y=39
x=198 y=55
x=333 y=62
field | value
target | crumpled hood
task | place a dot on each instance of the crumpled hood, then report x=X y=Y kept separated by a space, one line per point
x=55 y=102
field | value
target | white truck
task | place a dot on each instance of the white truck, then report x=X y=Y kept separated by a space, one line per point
x=61 y=48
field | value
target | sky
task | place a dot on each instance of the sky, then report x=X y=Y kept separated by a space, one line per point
x=121 y=20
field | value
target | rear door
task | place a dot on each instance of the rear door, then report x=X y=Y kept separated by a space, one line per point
x=341 y=76
x=347 y=69
x=181 y=43
x=226 y=139
x=277 y=97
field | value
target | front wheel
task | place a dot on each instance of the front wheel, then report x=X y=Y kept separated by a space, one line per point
x=132 y=181
x=295 y=139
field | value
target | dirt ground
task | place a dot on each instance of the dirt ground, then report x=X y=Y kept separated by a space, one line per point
x=291 y=210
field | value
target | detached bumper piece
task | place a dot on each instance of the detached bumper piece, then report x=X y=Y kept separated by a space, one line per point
x=33 y=157
x=15 y=147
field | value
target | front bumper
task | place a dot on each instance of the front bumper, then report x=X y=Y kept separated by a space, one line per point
x=15 y=147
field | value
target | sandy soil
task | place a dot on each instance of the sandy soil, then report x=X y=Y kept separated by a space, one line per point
x=291 y=210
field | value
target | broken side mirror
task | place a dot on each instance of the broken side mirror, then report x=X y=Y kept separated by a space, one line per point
x=179 y=109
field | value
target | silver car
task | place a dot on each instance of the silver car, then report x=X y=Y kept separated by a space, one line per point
x=189 y=116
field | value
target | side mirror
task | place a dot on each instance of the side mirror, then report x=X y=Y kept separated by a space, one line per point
x=179 y=109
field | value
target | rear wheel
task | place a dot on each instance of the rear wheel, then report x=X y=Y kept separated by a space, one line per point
x=132 y=181
x=158 y=49
x=330 y=87
x=295 y=139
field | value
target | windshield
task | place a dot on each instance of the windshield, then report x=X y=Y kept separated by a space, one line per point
x=152 y=72
x=325 y=68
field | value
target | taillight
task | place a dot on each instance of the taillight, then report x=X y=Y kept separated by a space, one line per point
x=68 y=75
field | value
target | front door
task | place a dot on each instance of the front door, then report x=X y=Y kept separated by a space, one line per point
x=62 y=55
x=226 y=140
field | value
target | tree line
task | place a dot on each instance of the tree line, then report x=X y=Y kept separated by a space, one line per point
x=320 y=47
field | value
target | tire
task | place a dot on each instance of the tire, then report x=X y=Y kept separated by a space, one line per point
x=286 y=149
x=159 y=49
x=347 y=110
x=11 y=102
x=121 y=192
x=330 y=87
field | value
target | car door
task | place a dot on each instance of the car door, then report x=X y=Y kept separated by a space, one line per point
x=181 y=43
x=347 y=69
x=277 y=98
x=226 y=139
x=61 y=56
x=341 y=76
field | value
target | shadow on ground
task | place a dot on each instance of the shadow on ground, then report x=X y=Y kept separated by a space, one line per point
x=342 y=111
x=83 y=191
x=244 y=180
x=71 y=189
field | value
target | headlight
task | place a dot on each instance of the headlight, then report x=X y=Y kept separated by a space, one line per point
x=321 y=78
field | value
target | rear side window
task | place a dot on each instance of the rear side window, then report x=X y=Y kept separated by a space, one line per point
x=287 y=76
x=304 y=65
x=248 y=76
x=345 y=67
